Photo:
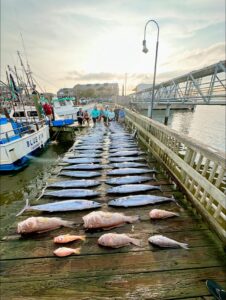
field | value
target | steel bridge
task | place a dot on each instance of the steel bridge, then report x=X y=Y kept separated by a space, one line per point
x=203 y=86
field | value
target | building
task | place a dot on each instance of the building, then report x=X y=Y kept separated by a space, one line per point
x=65 y=92
x=142 y=86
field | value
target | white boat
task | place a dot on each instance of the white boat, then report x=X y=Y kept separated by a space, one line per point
x=24 y=114
x=18 y=142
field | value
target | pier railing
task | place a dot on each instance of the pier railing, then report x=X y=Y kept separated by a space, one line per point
x=198 y=169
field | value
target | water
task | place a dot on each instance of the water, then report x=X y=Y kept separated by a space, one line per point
x=206 y=124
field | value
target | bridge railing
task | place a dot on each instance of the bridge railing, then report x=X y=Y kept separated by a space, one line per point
x=200 y=170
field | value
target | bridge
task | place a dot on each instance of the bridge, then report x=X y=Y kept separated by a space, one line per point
x=204 y=86
x=193 y=173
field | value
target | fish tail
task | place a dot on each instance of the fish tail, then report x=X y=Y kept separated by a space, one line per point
x=132 y=219
x=184 y=246
x=26 y=207
x=136 y=242
x=77 y=251
x=154 y=177
x=83 y=237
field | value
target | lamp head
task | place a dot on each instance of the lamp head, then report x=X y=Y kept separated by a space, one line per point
x=145 y=49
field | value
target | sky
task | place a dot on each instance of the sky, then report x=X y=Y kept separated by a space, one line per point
x=69 y=42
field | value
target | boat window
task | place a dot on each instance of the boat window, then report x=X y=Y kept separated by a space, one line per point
x=62 y=103
x=19 y=114
x=32 y=113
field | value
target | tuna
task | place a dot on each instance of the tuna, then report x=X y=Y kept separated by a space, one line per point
x=41 y=224
x=81 y=160
x=80 y=174
x=128 y=165
x=129 y=179
x=162 y=214
x=127 y=171
x=85 y=167
x=67 y=238
x=139 y=200
x=116 y=240
x=123 y=149
x=68 y=193
x=132 y=188
x=82 y=183
x=106 y=220
x=84 y=155
x=66 y=205
x=165 y=242
x=126 y=159
x=126 y=153
x=63 y=251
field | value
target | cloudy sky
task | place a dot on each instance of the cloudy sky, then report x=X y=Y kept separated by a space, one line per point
x=89 y=41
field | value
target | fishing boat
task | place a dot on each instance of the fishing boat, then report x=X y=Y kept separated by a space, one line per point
x=18 y=142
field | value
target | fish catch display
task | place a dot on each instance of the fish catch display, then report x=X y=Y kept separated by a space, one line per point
x=106 y=220
x=81 y=160
x=74 y=183
x=84 y=167
x=162 y=214
x=125 y=153
x=116 y=240
x=68 y=193
x=127 y=158
x=67 y=238
x=138 y=200
x=64 y=251
x=132 y=188
x=165 y=242
x=80 y=174
x=41 y=224
x=129 y=179
x=66 y=205
x=128 y=165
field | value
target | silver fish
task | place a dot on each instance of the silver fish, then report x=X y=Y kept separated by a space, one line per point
x=74 y=183
x=115 y=146
x=68 y=193
x=84 y=167
x=66 y=205
x=132 y=188
x=138 y=200
x=126 y=153
x=165 y=242
x=81 y=160
x=127 y=158
x=129 y=179
x=123 y=149
x=80 y=174
x=84 y=155
x=127 y=171
x=88 y=147
x=128 y=165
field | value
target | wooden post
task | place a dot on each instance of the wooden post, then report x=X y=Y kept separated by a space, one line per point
x=167 y=114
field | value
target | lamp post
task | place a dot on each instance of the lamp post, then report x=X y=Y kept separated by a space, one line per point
x=145 y=50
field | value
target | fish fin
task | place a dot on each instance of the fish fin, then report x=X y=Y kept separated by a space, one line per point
x=136 y=242
x=184 y=246
x=26 y=207
x=132 y=219
x=77 y=251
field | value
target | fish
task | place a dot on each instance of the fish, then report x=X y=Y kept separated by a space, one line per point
x=81 y=183
x=126 y=159
x=129 y=179
x=66 y=205
x=76 y=193
x=139 y=200
x=123 y=149
x=117 y=146
x=165 y=242
x=162 y=214
x=85 y=167
x=126 y=171
x=64 y=251
x=106 y=220
x=128 y=165
x=132 y=188
x=88 y=147
x=126 y=153
x=67 y=238
x=41 y=224
x=84 y=155
x=116 y=240
x=81 y=160
x=80 y=174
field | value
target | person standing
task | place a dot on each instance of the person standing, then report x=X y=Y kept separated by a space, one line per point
x=80 y=116
x=116 y=111
x=86 y=117
x=101 y=114
x=95 y=114
x=121 y=115
x=48 y=110
x=111 y=115
x=106 y=116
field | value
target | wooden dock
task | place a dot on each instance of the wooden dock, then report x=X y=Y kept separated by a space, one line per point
x=29 y=270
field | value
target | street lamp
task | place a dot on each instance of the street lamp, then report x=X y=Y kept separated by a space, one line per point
x=145 y=50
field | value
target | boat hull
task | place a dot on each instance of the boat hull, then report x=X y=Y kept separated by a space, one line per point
x=14 y=155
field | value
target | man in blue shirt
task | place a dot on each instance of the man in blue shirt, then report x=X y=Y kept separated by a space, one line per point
x=95 y=113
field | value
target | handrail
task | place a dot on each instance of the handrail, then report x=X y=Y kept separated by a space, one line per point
x=200 y=170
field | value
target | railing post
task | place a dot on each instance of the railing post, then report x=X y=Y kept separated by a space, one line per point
x=167 y=113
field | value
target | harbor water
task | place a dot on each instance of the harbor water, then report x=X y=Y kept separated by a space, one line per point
x=205 y=123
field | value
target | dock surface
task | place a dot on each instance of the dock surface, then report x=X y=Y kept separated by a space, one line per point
x=29 y=269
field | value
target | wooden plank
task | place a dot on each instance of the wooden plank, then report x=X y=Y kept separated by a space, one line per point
x=148 y=285
x=43 y=246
